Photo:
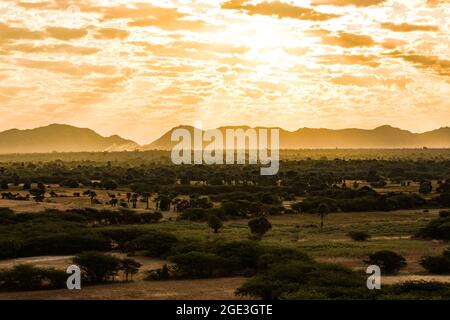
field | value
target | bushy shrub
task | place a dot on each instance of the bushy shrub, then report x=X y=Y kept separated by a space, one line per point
x=187 y=245
x=437 y=265
x=438 y=229
x=155 y=243
x=290 y=279
x=413 y=290
x=194 y=214
x=214 y=222
x=63 y=244
x=122 y=236
x=242 y=256
x=97 y=267
x=259 y=227
x=273 y=255
x=27 y=277
x=359 y=235
x=164 y=273
x=200 y=265
x=388 y=261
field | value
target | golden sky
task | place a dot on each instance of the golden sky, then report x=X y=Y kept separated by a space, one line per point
x=137 y=68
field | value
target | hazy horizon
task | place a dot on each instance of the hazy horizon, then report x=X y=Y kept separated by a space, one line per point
x=138 y=69
x=144 y=142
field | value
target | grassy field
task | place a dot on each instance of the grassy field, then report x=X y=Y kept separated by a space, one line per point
x=389 y=230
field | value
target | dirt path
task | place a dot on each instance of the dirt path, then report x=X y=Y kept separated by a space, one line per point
x=414 y=277
x=211 y=289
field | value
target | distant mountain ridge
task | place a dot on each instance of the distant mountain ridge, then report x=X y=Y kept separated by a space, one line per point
x=60 y=138
x=66 y=138
x=307 y=138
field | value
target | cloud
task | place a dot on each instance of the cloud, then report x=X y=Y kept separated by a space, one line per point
x=370 y=61
x=406 y=27
x=368 y=81
x=393 y=43
x=52 y=49
x=11 y=33
x=111 y=33
x=278 y=9
x=349 y=40
x=440 y=66
x=145 y=15
x=67 y=68
x=341 y=3
x=434 y=3
x=66 y=34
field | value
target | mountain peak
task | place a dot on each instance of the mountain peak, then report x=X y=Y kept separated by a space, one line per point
x=60 y=138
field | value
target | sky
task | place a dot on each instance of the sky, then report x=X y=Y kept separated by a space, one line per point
x=139 y=68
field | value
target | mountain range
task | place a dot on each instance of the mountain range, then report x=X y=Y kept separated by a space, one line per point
x=307 y=138
x=65 y=138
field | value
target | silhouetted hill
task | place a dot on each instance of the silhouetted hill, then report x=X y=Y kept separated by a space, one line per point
x=60 y=138
x=307 y=138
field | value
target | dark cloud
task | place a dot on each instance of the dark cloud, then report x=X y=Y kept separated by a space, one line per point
x=434 y=3
x=341 y=3
x=66 y=34
x=278 y=9
x=111 y=33
x=52 y=49
x=8 y=33
x=406 y=27
x=348 y=40
x=440 y=66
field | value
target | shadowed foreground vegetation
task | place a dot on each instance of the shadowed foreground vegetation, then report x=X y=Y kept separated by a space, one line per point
x=307 y=233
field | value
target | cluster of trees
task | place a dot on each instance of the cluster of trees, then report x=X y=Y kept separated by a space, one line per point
x=297 y=177
x=25 y=277
x=232 y=210
x=97 y=267
x=438 y=229
x=362 y=200
x=56 y=232
x=197 y=259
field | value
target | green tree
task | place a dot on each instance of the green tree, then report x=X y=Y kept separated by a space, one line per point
x=388 y=261
x=425 y=187
x=323 y=210
x=214 y=222
x=259 y=227
x=97 y=267
x=129 y=267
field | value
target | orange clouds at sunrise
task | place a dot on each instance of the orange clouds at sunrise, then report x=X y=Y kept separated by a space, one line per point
x=137 y=68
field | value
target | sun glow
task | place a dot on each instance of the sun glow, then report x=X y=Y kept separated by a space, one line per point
x=140 y=68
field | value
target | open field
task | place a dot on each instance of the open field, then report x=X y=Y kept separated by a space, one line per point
x=389 y=230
